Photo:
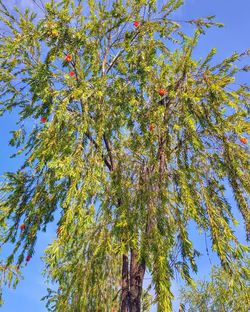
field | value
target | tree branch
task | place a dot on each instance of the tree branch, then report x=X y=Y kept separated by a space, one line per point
x=119 y=53
x=93 y=141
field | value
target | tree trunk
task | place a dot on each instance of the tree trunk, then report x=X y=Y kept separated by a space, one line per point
x=125 y=304
x=137 y=271
x=132 y=280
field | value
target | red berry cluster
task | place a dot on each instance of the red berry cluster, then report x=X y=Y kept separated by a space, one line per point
x=137 y=24
x=243 y=140
x=162 y=92
x=68 y=58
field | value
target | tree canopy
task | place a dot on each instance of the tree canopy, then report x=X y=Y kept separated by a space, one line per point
x=132 y=139
x=224 y=292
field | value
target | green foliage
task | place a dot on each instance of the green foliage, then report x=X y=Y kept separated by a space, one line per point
x=116 y=184
x=9 y=276
x=225 y=292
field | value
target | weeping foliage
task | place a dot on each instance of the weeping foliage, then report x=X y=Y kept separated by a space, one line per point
x=125 y=167
x=224 y=292
x=86 y=267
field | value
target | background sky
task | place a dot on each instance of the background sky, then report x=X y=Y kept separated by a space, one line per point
x=233 y=37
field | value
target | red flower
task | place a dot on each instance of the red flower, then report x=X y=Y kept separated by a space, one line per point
x=22 y=227
x=43 y=119
x=162 y=92
x=68 y=58
x=28 y=258
x=137 y=24
x=243 y=140
x=72 y=74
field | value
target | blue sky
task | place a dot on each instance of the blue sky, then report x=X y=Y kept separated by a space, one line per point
x=233 y=37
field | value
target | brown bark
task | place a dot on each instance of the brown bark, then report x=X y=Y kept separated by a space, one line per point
x=137 y=271
x=125 y=304
x=132 y=280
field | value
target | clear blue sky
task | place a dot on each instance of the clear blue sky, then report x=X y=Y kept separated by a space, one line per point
x=233 y=37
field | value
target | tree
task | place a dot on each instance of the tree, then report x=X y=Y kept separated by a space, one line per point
x=133 y=139
x=224 y=292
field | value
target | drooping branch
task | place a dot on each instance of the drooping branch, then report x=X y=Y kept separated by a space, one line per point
x=119 y=54
x=93 y=141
